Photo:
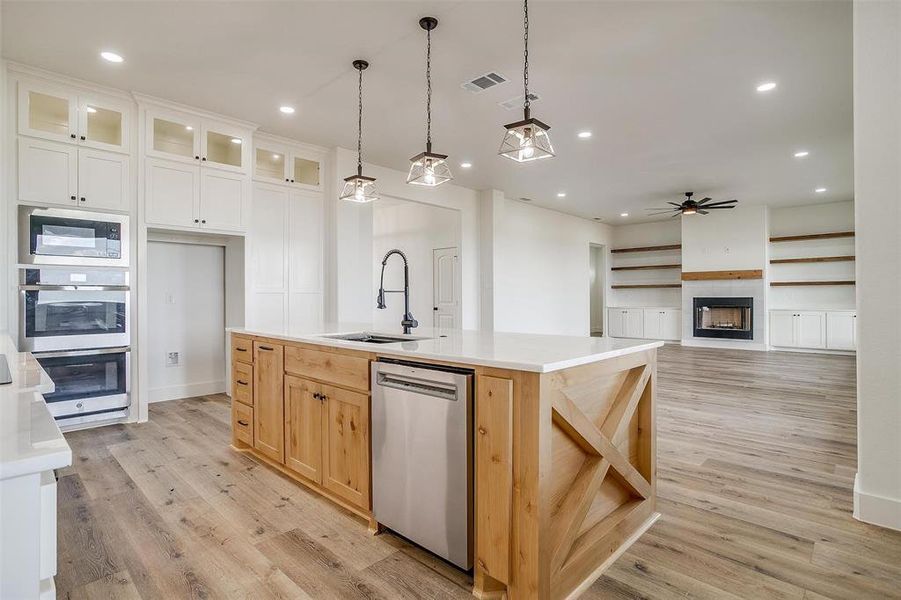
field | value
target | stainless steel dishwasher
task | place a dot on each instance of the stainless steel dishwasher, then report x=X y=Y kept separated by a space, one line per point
x=422 y=455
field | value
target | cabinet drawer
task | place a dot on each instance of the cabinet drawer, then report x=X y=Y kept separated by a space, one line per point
x=341 y=369
x=242 y=349
x=242 y=383
x=242 y=423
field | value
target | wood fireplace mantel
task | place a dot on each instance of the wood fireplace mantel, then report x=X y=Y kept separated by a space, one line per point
x=718 y=275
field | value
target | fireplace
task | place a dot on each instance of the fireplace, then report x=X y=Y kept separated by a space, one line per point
x=724 y=318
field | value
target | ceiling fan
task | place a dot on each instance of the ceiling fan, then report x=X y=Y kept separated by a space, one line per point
x=692 y=207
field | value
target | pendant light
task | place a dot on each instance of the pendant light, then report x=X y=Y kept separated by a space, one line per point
x=527 y=139
x=359 y=188
x=428 y=168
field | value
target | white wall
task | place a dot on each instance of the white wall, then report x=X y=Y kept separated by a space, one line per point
x=877 y=188
x=186 y=314
x=658 y=233
x=416 y=230
x=541 y=270
x=7 y=230
x=725 y=240
x=350 y=286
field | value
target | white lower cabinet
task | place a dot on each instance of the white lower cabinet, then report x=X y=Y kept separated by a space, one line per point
x=650 y=323
x=182 y=195
x=813 y=329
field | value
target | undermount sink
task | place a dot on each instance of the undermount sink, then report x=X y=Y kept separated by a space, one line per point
x=372 y=338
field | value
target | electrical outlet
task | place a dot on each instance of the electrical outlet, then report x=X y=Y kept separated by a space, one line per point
x=171 y=359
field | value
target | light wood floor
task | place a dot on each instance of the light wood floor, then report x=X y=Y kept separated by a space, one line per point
x=756 y=465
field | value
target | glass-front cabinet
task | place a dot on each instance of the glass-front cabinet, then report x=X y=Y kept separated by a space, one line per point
x=279 y=163
x=223 y=148
x=58 y=114
x=187 y=138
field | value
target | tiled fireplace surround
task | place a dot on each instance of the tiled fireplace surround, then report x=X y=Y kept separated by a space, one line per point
x=753 y=288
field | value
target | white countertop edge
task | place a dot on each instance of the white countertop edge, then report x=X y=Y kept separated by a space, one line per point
x=25 y=456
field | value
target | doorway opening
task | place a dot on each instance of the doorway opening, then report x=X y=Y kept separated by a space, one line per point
x=597 y=277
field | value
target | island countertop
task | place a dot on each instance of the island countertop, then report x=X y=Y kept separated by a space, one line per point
x=538 y=353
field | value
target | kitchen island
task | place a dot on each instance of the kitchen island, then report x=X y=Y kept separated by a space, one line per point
x=563 y=451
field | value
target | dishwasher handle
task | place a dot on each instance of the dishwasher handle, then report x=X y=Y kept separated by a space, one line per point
x=435 y=389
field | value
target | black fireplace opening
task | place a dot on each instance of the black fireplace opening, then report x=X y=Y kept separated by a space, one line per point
x=731 y=318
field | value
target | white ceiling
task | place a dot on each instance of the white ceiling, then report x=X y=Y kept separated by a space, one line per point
x=667 y=88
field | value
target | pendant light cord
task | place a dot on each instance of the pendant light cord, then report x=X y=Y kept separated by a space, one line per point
x=428 y=80
x=525 y=69
x=360 y=126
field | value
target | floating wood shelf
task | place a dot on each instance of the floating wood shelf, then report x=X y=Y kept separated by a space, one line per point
x=721 y=275
x=812 y=236
x=646 y=267
x=797 y=283
x=812 y=259
x=647 y=249
x=635 y=286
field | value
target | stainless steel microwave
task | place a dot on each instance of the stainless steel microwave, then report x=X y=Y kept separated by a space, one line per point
x=59 y=236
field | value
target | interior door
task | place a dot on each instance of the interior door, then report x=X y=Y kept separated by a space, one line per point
x=268 y=400
x=445 y=294
x=173 y=191
x=48 y=172
x=102 y=179
x=345 y=445
x=303 y=427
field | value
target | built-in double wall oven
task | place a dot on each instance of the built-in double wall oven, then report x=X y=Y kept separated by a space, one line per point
x=74 y=309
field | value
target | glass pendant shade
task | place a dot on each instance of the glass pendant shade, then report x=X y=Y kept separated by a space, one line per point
x=429 y=169
x=526 y=140
x=359 y=188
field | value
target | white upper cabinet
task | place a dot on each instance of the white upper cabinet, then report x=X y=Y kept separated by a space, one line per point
x=224 y=200
x=192 y=139
x=172 y=193
x=282 y=163
x=103 y=180
x=58 y=114
x=224 y=147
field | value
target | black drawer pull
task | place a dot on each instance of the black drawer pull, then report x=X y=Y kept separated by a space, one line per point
x=241 y=382
x=242 y=423
x=269 y=348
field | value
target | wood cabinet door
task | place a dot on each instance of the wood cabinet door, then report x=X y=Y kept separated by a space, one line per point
x=345 y=445
x=268 y=400
x=303 y=427
x=811 y=329
x=48 y=172
x=103 y=180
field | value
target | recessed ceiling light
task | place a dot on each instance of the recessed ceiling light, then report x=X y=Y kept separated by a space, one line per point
x=801 y=153
x=767 y=86
x=288 y=110
x=236 y=141
x=465 y=165
x=111 y=57
x=275 y=156
x=624 y=214
x=189 y=128
x=584 y=134
x=91 y=109
x=820 y=190
x=561 y=194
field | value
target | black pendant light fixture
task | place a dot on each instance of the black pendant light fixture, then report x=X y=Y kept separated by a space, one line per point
x=359 y=188
x=528 y=139
x=428 y=168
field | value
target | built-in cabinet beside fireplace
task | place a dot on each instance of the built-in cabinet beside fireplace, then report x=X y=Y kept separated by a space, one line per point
x=648 y=322
x=813 y=329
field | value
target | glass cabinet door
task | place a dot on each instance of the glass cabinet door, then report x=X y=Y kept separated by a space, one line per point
x=47 y=113
x=174 y=137
x=269 y=164
x=223 y=149
x=305 y=171
x=102 y=125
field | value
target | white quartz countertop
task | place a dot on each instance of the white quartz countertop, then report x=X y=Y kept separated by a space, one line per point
x=30 y=439
x=517 y=351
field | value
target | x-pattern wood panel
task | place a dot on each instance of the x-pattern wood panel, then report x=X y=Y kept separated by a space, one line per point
x=600 y=443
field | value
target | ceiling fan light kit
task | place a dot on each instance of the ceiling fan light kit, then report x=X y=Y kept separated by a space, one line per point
x=359 y=188
x=692 y=207
x=528 y=139
x=429 y=168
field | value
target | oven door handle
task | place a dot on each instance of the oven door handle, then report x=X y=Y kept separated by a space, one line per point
x=74 y=288
x=95 y=352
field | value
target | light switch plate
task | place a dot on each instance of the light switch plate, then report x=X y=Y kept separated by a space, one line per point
x=172 y=359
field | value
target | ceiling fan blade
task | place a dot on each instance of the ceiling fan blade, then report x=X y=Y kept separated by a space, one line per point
x=721 y=203
x=703 y=212
x=718 y=207
x=674 y=204
x=704 y=200
x=678 y=214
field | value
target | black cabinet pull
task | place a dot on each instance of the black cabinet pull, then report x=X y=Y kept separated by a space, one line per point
x=241 y=349
x=197 y=220
x=73 y=197
x=83 y=138
x=203 y=159
x=72 y=135
x=82 y=198
x=286 y=179
x=268 y=348
x=196 y=158
x=242 y=423
x=241 y=382
x=292 y=181
x=203 y=220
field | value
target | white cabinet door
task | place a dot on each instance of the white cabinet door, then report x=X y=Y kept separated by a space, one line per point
x=269 y=238
x=174 y=136
x=103 y=124
x=270 y=163
x=671 y=324
x=48 y=172
x=651 y=322
x=841 y=330
x=224 y=147
x=782 y=328
x=633 y=323
x=811 y=329
x=48 y=112
x=102 y=180
x=223 y=200
x=305 y=245
x=615 y=322
x=172 y=193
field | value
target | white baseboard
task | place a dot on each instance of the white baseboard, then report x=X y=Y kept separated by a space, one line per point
x=736 y=345
x=190 y=390
x=813 y=351
x=877 y=510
